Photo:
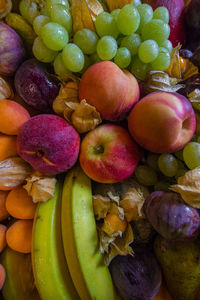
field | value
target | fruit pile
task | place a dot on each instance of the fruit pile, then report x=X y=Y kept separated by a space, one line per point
x=99 y=150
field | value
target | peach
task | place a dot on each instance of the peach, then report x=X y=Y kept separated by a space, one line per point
x=112 y=91
x=49 y=144
x=162 y=122
x=12 y=116
x=8 y=146
x=108 y=154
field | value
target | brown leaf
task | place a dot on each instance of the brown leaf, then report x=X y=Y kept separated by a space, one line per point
x=161 y=81
x=83 y=116
x=114 y=4
x=95 y=8
x=13 y=171
x=189 y=187
x=40 y=187
x=6 y=91
x=101 y=206
x=132 y=202
x=81 y=15
x=68 y=93
x=194 y=98
x=174 y=69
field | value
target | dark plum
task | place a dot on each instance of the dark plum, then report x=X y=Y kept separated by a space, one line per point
x=171 y=217
x=136 y=277
x=36 y=86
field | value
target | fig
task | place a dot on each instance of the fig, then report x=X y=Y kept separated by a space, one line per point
x=36 y=85
x=136 y=277
x=171 y=217
x=12 y=51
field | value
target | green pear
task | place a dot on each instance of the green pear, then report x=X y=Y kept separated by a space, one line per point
x=180 y=262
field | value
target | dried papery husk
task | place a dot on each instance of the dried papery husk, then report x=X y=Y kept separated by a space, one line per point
x=13 y=171
x=189 y=70
x=6 y=91
x=5 y=8
x=95 y=8
x=81 y=15
x=189 y=187
x=83 y=116
x=68 y=93
x=41 y=188
x=160 y=81
x=194 y=98
x=101 y=206
x=114 y=4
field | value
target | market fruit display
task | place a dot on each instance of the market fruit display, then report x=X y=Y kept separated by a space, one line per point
x=99 y=149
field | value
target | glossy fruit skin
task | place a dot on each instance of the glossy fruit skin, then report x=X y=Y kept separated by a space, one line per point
x=171 y=217
x=136 y=277
x=12 y=51
x=36 y=86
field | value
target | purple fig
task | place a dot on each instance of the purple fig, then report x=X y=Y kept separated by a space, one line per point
x=12 y=51
x=171 y=217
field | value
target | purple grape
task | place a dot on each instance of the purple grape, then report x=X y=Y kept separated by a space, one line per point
x=12 y=51
x=171 y=217
x=36 y=86
x=185 y=53
x=136 y=277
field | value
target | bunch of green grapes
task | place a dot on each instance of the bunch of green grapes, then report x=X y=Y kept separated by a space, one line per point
x=133 y=37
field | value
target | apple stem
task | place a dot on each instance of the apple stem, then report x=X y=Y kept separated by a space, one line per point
x=99 y=149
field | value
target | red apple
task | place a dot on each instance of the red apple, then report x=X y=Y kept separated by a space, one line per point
x=176 y=18
x=162 y=122
x=48 y=143
x=108 y=154
x=112 y=91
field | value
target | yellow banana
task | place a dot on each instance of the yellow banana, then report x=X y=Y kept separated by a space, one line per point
x=50 y=270
x=19 y=283
x=89 y=274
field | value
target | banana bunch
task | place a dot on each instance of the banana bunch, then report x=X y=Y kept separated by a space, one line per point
x=66 y=261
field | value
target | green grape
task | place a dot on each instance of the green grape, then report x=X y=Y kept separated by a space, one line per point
x=39 y=22
x=136 y=2
x=41 y=52
x=128 y=19
x=54 y=36
x=106 y=48
x=180 y=172
x=139 y=69
x=156 y=30
x=59 y=67
x=152 y=161
x=95 y=58
x=87 y=63
x=28 y=10
x=191 y=155
x=146 y=175
x=49 y=5
x=73 y=58
x=167 y=45
x=132 y=42
x=162 y=61
x=106 y=25
x=146 y=14
x=161 y=13
x=179 y=154
x=122 y=58
x=86 y=40
x=61 y=15
x=115 y=13
x=148 y=51
x=162 y=186
x=168 y=164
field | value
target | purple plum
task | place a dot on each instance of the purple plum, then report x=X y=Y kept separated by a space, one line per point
x=136 y=277
x=36 y=86
x=171 y=217
x=12 y=51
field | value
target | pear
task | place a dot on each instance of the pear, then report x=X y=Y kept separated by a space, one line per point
x=180 y=262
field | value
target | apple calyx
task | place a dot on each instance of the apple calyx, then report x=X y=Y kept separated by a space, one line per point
x=98 y=149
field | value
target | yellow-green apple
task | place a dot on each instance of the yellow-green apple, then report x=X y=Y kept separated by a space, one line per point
x=111 y=90
x=48 y=143
x=108 y=154
x=162 y=122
